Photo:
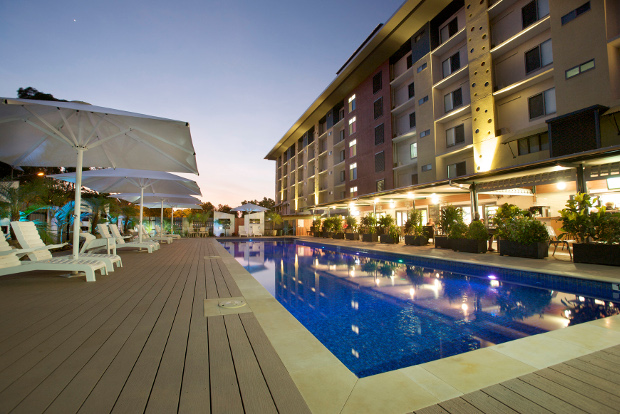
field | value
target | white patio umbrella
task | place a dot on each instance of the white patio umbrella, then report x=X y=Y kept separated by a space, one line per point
x=249 y=208
x=71 y=134
x=122 y=180
x=170 y=201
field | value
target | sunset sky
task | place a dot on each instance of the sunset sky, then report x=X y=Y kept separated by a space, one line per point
x=240 y=72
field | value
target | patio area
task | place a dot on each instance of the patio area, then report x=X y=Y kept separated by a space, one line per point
x=150 y=337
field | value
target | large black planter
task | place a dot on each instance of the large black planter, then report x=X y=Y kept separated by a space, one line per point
x=443 y=242
x=533 y=251
x=338 y=236
x=469 y=246
x=596 y=253
x=316 y=233
x=416 y=240
x=327 y=234
x=370 y=237
x=386 y=238
x=352 y=236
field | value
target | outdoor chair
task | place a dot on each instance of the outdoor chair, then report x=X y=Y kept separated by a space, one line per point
x=191 y=232
x=120 y=241
x=28 y=237
x=146 y=236
x=555 y=241
x=159 y=232
x=11 y=264
x=242 y=232
x=93 y=243
x=203 y=232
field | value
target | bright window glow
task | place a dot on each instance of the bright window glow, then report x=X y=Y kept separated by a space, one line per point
x=613 y=183
x=352 y=103
x=352 y=125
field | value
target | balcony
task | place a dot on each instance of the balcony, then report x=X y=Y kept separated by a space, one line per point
x=521 y=37
x=454 y=77
x=443 y=48
x=453 y=114
x=523 y=84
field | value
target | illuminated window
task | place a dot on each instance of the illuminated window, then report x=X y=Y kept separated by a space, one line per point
x=352 y=103
x=414 y=150
x=353 y=191
x=353 y=148
x=352 y=126
x=579 y=69
x=380 y=185
x=353 y=171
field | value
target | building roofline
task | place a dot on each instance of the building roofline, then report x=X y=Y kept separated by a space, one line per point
x=408 y=19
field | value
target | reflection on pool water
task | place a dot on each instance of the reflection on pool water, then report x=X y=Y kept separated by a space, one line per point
x=380 y=315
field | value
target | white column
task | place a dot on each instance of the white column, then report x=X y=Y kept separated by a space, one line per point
x=78 y=201
x=141 y=208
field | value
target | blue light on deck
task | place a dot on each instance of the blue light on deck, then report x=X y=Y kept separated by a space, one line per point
x=400 y=260
x=493 y=277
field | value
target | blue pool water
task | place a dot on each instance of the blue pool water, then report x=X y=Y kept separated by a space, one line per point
x=380 y=312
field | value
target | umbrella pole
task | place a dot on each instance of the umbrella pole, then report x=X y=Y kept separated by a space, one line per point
x=162 y=218
x=171 y=219
x=78 y=202
x=141 y=207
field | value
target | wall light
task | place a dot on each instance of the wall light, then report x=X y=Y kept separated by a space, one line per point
x=392 y=204
x=561 y=186
x=434 y=198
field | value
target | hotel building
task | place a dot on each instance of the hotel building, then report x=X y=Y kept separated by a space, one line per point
x=468 y=102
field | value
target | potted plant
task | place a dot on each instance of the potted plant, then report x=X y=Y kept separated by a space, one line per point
x=470 y=239
x=337 y=228
x=328 y=227
x=384 y=223
x=596 y=232
x=316 y=227
x=351 y=226
x=450 y=216
x=367 y=228
x=274 y=218
x=391 y=236
x=414 y=232
x=520 y=234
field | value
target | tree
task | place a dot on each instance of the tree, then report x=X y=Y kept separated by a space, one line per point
x=207 y=206
x=266 y=202
x=224 y=208
x=98 y=206
x=32 y=93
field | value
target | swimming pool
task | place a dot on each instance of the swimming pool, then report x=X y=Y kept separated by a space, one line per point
x=378 y=312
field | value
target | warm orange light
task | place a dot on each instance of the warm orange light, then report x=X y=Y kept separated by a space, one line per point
x=40 y=173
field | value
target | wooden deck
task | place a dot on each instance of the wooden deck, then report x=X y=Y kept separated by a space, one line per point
x=137 y=340
x=590 y=384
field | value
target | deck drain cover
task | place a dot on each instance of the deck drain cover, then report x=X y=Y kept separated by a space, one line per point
x=230 y=304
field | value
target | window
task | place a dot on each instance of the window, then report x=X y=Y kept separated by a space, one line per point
x=456 y=170
x=538 y=57
x=534 y=143
x=340 y=135
x=452 y=100
x=427 y=167
x=411 y=89
x=353 y=191
x=414 y=150
x=455 y=135
x=542 y=104
x=379 y=134
x=352 y=127
x=425 y=133
x=534 y=11
x=380 y=161
x=341 y=156
x=450 y=65
x=568 y=17
x=377 y=83
x=342 y=178
x=414 y=180
x=409 y=61
x=353 y=148
x=580 y=69
x=352 y=103
x=380 y=185
x=412 y=120
x=421 y=67
x=423 y=100
x=353 y=171
x=448 y=30
x=378 y=108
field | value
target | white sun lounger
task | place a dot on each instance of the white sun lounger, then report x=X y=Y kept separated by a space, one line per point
x=120 y=241
x=10 y=263
x=161 y=233
x=28 y=237
x=93 y=243
x=146 y=236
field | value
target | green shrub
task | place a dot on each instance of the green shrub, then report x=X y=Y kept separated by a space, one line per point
x=394 y=232
x=351 y=223
x=413 y=225
x=458 y=230
x=450 y=215
x=368 y=223
x=477 y=231
x=385 y=222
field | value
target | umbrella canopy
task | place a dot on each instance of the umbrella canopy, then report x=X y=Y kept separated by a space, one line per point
x=70 y=134
x=249 y=208
x=110 y=180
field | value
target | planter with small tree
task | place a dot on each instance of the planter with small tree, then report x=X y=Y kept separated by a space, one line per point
x=470 y=239
x=520 y=234
x=596 y=232
x=350 y=229
x=316 y=227
x=414 y=232
x=274 y=219
x=385 y=223
x=328 y=228
x=337 y=228
x=368 y=228
x=450 y=216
